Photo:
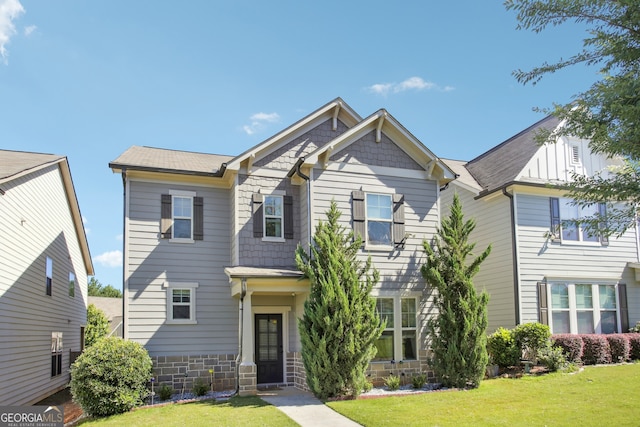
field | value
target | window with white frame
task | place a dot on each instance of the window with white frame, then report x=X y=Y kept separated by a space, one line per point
x=72 y=285
x=49 y=276
x=56 y=353
x=399 y=338
x=583 y=308
x=563 y=210
x=379 y=217
x=181 y=302
x=273 y=216
x=182 y=210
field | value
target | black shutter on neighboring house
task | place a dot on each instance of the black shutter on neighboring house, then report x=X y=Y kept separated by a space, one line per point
x=554 y=205
x=543 y=306
x=358 y=214
x=288 y=217
x=198 y=218
x=165 y=217
x=602 y=211
x=258 y=200
x=398 y=219
x=624 y=310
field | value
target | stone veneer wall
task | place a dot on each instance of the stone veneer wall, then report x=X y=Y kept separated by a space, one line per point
x=171 y=370
x=296 y=373
x=378 y=371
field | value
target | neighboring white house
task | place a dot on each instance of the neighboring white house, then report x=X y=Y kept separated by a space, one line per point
x=541 y=268
x=44 y=264
x=210 y=240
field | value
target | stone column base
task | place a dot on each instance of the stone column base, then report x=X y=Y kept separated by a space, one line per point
x=248 y=385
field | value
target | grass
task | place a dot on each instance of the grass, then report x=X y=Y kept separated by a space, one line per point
x=238 y=411
x=597 y=396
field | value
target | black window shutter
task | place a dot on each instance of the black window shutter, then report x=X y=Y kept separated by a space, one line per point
x=554 y=205
x=602 y=211
x=198 y=218
x=258 y=200
x=288 y=217
x=398 y=219
x=358 y=215
x=165 y=217
x=624 y=310
x=543 y=306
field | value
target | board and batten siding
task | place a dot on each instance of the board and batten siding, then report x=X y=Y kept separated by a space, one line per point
x=37 y=223
x=154 y=261
x=541 y=258
x=493 y=227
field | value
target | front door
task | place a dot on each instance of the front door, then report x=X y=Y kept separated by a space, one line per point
x=269 y=355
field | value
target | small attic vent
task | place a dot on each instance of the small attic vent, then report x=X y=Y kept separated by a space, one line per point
x=575 y=154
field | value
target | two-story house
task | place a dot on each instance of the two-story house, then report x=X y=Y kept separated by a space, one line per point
x=543 y=268
x=44 y=264
x=210 y=283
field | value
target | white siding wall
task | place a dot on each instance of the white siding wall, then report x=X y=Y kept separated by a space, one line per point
x=154 y=261
x=36 y=223
x=493 y=219
x=540 y=258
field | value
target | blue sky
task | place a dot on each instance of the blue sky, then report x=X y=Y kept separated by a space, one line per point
x=88 y=79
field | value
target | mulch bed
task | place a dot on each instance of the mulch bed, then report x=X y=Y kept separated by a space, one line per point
x=72 y=411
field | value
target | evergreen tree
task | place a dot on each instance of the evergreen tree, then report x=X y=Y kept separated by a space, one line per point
x=340 y=323
x=458 y=331
x=97 y=289
x=97 y=326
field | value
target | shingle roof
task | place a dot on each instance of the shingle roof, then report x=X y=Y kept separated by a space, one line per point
x=160 y=159
x=463 y=175
x=504 y=162
x=15 y=162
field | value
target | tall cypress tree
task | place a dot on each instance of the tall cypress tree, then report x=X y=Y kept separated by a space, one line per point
x=340 y=323
x=458 y=331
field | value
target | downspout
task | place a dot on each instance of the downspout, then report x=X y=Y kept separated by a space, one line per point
x=297 y=170
x=124 y=243
x=516 y=273
x=243 y=293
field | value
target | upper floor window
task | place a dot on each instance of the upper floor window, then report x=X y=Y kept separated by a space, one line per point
x=583 y=308
x=181 y=298
x=563 y=211
x=182 y=216
x=379 y=219
x=273 y=216
x=49 y=276
x=72 y=285
x=399 y=338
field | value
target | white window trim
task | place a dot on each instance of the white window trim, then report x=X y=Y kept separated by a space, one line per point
x=397 y=321
x=171 y=286
x=569 y=242
x=183 y=194
x=595 y=301
x=372 y=246
x=265 y=238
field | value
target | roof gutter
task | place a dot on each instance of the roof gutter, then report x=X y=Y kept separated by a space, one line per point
x=217 y=174
x=503 y=187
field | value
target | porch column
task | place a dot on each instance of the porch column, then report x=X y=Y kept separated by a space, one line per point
x=247 y=333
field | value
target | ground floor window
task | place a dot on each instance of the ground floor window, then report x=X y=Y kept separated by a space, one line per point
x=584 y=308
x=56 y=353
x=399 y=338
x=181 y=302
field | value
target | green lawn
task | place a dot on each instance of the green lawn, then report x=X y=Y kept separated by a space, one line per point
x=597 y=396
x=238 y=411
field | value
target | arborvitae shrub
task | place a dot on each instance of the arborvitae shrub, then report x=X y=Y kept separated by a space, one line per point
x=596 y=349
x=572 y=345
x=111 y=377
x=502 y=349
x=634 y=343
x=619 y=346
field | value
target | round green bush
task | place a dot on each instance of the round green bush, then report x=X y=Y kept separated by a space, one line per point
x=502 y=348
x=531 y=338
x=111 y=377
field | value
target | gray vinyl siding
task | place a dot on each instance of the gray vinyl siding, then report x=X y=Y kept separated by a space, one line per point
x=540 y=258
x=154 y=261
x=496 y=275
x=36 y=223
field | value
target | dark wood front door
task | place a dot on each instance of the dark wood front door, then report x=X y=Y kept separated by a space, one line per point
x=269 y=348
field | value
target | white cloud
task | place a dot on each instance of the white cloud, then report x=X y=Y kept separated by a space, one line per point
x=258 y=121
x=30 y=29
x=9 y=10
x=412 y=83
x=110 y=259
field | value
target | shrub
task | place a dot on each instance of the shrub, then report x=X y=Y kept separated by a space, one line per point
x=502 y=348
x=392 y=382
x=635 y=329
x=417 y=381
x=619 y=346
x=111 y=377
x=199 y=387
x=552 y=358
x=367 y=386
x=530 y=338
x=596 y=349
x=634 y=343
x=571 y=345
x=165 y=391
x=97 y=326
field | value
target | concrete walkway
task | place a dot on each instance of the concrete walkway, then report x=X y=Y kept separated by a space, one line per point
x=304 y=408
